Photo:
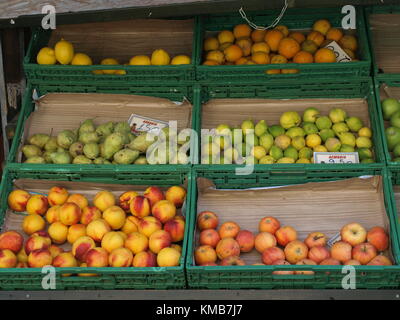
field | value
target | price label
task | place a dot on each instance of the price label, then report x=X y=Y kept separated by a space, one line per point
x=334 y=239
x=140 y=124
x=341 y=55
x=336 y=157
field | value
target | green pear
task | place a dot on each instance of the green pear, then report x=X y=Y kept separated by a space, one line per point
x=30 y=150
x=65 y=138
x=39 y=140
x=81 y=160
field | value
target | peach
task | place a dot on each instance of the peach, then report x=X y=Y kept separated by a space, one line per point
x=380 y=260
x=176 y=247
x=40 y=258
x=86 y=274
x=352 y=262
x=295 y=251
x=90 y=214
x=159 y=240
x=209 y=237
x=272 y=254
x=57 y=196
x=21 y=264
x=137 y=242
x=53 y=214
x=353 y=233
x=65 y=260
x=364 y=252
x=306 y=262
x=37 y=204
x=282 y=262
x=164 y=210
x=144 y=259
x=228 y=229
x=176 y=195
x=97 y=229
x=207 y=220
x=120 y=257
x=123 y=235
x=7 y=259
x=315 y=239
x=81 y=247
x=70 y=213
x=341 y=251
x=42 y=233
x=318 y=253
x=75 y=232
x=18 y=199
x=176 y=229
x=264 y=240
x=149 y=225
x=154 y=194
x=208 y=264
x=112 y=240
x=330 y=262
x=11 y=240
x=125 y=200
x=103 y=200
x=58 y=232
x=97 y=257
x=269 y=224
x=55 y=250
x=168 y=257
x=22 y=256
x=232 y=261
x=140 y=207
x=79 y=199
x=205 y=254
x=285 y=235
x=378 y=238
x=36 y=243
x=130 y=225
x=115 y=217
x=227 y=247
x=33 y=223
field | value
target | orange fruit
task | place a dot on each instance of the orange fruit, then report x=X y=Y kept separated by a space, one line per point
x=273 y=38
x=322 y=26
x=289 y=71
x=258 y=35
x=260 y=58
x=226 y=36
x=242 y=30
x=260 y=47
x=233 y=53
x=325 y=55
x=298 y=36
x=288 y=47
x=334 y=34
x=273 y=71
x=309 y=46
x=216 y=55
x=325 y=43
x=348 y=42
x=245 y=44
x=210 y=63
x=224 y=45
x=278 y=59
x=350 y=53
x=240 y=61
x=282 y=29
x=303 y=57
x=250 y=62
x=317 y=37
x=210 y=44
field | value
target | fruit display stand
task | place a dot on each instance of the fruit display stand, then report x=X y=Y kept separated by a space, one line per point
x=294 y=19
x=382 y=24
x=102 y=277
x=363 y=199
x=120 y=40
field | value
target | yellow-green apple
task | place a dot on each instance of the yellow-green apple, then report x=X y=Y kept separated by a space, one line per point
x=228 y=229
x=341 y=251
x=285 y=234
x=295 y=251
x=329 y=262
x=380 y=260
x=282 y=263
x=272 y=254
x=227 y=247
x=364 y=252
x=209 y=237
x=352 y=262
x=232 y=261
x=207 y=220
x=318 y=254
x=269 y=224
x=315 y=239
x=205 y=254
x=353 y=233
x=246 y=240
x=305 y=262
x=263 y=241
x=378 y=238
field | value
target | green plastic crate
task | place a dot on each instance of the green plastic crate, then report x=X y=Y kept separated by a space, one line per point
x=302 y=89
x=108 y=278
x=294 y=19
x=72 y=75
x=261 y=277
x=174 y=93
x=379 y=9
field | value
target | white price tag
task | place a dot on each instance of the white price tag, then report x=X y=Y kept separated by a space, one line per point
x=334 y=239
x=336 y=157
x=341 y=55
x=140 y=124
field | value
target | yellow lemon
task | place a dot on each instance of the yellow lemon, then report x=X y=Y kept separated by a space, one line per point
x=64 y=51
x=97 y=72
x=303 y=160
x=320 y=149
x=258 y=152
x=160 y=57
x=313 y=140
x=120 y=72
x=181 y=59
x=109 y=61
x=81 y=59
x=140 y=60
x=365 y=132
x=46 y=55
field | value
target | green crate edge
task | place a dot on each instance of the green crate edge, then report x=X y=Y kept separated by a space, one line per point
x=391 y=273
x=108 y=275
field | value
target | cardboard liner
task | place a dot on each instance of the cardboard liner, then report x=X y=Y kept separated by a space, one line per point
x=317 y=206
x=385 y=29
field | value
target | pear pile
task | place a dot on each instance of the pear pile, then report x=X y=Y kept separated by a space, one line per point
x=108 y=143
x=293 y=140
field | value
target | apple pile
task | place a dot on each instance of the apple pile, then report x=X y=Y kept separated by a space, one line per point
x=279 y=245
x=64 y=230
